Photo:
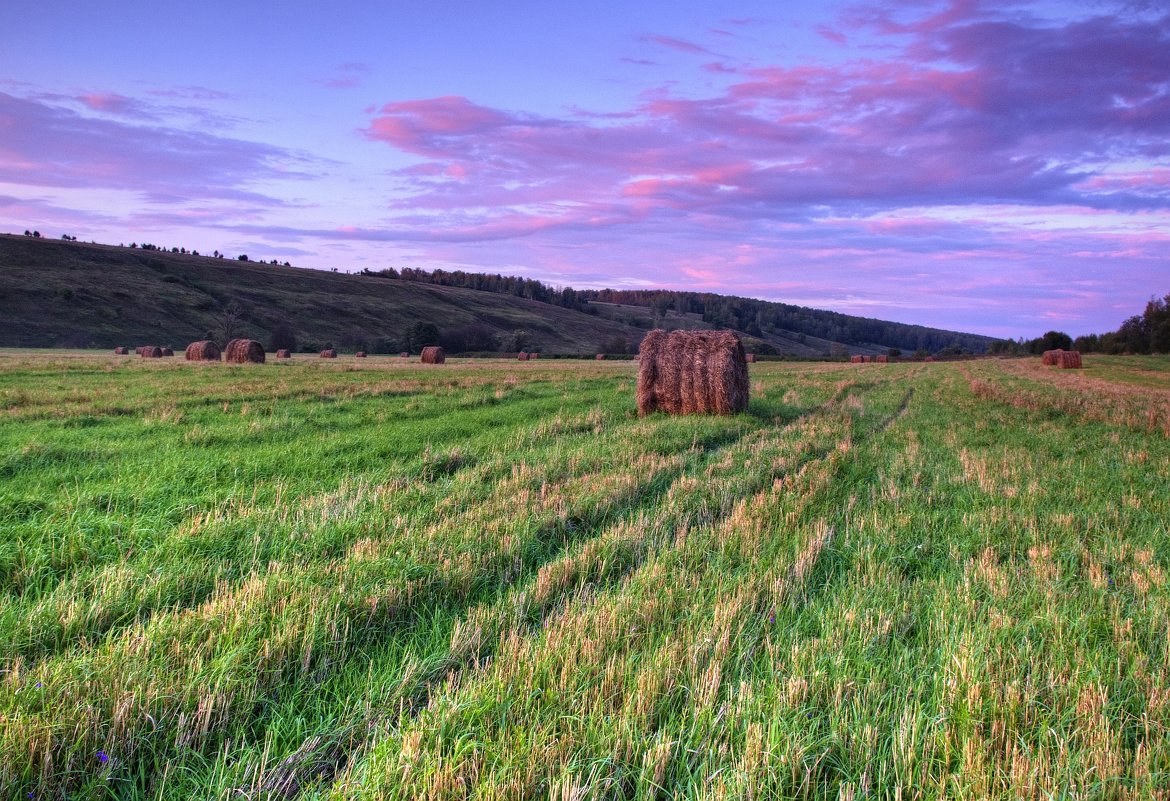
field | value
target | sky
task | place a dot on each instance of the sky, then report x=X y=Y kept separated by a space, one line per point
x=998 y=167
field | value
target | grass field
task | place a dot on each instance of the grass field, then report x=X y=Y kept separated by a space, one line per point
x=492 y=580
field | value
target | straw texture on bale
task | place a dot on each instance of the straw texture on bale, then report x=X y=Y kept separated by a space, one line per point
x=692 y=372
x=1051 y=357
x=1070 y=360
x=361 y=354
x=120 y=351
x=329 y=353
x=203 y=351
x=244 y=351
x=283 y=353
x=522 y=356
x=857 y=359
x=433 y=354
x=167 y=352
x=151 y=352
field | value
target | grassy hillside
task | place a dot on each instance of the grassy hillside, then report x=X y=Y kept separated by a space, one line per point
x=69 y=294
x=384 y=580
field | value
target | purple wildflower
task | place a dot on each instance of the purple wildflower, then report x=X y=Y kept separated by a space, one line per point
x=103 y=757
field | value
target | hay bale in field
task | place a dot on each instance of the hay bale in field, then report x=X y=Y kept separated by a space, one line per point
x=692 y=372
x=203 y=351
x=168 y=352
x=328 y=353
x=928 y=359
x=1051 y=358
x=1069 y=360
x=433 y=354
x=151 y=352
x=244 y=351
x=881 y=359
x=750 y=357
x=361 y=354
x=283 y=353
x=521 y=356
x=599 y=357
x=138 y=351
x=121 y=351
x=404 y=354
x=533 y=355
x=857 y=359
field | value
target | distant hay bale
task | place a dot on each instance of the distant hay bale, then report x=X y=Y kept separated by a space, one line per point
x=121 y=351
x=433 y=354
x=599 y=357
x=167 y=352
x=151 y=352
x=928 y=359
x=138 y=351
x=692 y=372
x=750 y=357
x=361 y=354
x=1051 y=358
x=283 y=353
x=881 y=359
x=203 y=351
x=857 y=359
x=244 y=351
x=533 y=355
x=404 y=354
x=522 y=356
x=328 y=353
x=1070 y=360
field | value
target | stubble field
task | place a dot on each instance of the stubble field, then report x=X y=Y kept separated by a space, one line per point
x=386 y=580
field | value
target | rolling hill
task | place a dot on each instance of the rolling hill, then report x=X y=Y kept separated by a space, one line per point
x=70 y=294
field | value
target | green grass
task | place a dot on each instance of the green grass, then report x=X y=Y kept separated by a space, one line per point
x=325 y=581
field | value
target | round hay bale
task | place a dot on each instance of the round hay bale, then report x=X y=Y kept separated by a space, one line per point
x=121 y=351
x=522 y=356
x=244 y=351
x=928 y=359
x=881 y=359
x=1051 y=358
x=203 y=351
x=138 y=351
x=151 y=352
x=599 y=357
x=361 y=354
x=329 y=353
x=404 y=354
x=1070 y=360
x=857 y=359
x=533 y=355
x=433 y=354
x=283 y=353
x=167 y=352
x=692 y=372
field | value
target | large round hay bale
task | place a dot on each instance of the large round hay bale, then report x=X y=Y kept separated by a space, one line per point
x=1070 y=360
x=433 y=354
x=1051 y=358
x=522 y=356
x=168 y=352
x=203 y=351
x=283 y=353
x=244 y=351
x=151 y=352
x=121 y=351
x=328 y=353
x=692 y=372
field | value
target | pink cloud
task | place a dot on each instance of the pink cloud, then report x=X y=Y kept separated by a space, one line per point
x=674 y=43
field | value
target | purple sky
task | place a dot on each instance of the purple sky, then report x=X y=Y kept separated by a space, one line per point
x=997 y=167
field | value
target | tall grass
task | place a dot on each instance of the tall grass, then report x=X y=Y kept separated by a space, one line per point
x=310 y=581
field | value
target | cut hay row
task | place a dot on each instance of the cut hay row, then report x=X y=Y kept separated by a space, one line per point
x=692 y=372
x=244 y=351
x=433 y=354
